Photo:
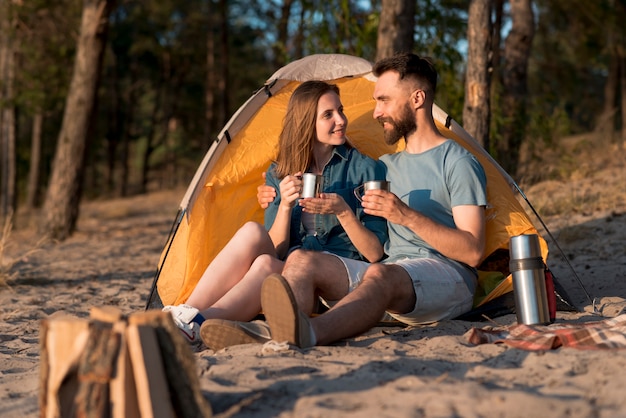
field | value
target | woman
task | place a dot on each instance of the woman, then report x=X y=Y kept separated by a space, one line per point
x=313 y=139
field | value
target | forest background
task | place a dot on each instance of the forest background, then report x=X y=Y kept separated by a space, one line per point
x=103 y=98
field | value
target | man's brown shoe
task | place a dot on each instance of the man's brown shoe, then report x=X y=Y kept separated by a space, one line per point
x=282 y=314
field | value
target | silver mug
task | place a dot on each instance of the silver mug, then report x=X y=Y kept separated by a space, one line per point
x=311 y=185
x=370 y=185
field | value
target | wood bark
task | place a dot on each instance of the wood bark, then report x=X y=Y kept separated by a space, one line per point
x=280 y=47
x=113 y=127
x=150 y=137
x=606 y=121
x=34 y=170
x=223 y=82
x=517 y=48
x=396 y=28
x=61 y=206
x=477 y=110
x=622 y=140
x=496 y=77
x=8 y=171
x=210 y=82
x=127 y=131
x=115 y=366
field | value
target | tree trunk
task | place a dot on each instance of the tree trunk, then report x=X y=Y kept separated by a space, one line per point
x=495 y=106
x=396 y=28
x=114 y=128
x=209 y=92
x=515 y=74
x=127 y=132
x=606 y=121
x=280 y=47
x=298 y=39
x=32 y=195
x=223 y=84
x=622 y=140
x=8 y=183
x=61 y=206
x=150 y=147
x=476 y=111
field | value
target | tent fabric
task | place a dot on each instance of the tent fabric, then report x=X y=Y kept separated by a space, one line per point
x=222 y=195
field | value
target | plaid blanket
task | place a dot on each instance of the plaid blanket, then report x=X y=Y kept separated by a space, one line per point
x=606 y=334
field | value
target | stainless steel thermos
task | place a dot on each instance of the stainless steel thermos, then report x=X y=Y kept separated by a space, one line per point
x=529 y=281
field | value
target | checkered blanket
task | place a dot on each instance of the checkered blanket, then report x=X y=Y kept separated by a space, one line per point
x=606 y=334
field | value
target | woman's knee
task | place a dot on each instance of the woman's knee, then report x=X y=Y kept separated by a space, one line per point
x=267 y=264
x=253 y=234
x=252 y=229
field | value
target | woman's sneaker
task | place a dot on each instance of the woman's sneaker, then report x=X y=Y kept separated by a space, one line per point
x=188 y=320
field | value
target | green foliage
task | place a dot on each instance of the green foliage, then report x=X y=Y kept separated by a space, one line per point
x=153 y=84
x=569 y=62
x=441 y=27
x=45 y=40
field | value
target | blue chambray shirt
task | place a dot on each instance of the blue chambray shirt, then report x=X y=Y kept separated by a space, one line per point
x=346 y=170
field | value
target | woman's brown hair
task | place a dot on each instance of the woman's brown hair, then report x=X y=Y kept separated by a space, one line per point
x=295 y=143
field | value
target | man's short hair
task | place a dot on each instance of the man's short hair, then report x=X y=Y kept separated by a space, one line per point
x=409 y=65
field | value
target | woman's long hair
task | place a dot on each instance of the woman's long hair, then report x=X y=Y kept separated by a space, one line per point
x=295 y=143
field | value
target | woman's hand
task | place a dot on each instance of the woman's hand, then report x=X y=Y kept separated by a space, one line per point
x=325 y=204
x=290 y=188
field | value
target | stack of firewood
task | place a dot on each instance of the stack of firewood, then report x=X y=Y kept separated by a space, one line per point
x=116 y=366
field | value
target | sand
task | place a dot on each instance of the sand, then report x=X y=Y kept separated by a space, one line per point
x=426 y=371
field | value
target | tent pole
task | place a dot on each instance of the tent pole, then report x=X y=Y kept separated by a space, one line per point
x=170 y=239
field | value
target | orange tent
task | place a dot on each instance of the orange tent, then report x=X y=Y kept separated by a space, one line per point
x=222 y=195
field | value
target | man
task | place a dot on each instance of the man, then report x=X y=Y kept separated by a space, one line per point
x=436 y=221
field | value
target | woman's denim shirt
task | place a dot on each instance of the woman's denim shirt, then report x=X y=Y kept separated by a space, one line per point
x=346 y=170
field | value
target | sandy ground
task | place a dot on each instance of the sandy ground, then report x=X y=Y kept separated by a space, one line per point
x=428 y=371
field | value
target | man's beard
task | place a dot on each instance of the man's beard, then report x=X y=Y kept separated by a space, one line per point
x=401 y=128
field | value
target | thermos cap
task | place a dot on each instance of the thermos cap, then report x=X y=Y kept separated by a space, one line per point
x=524 y=246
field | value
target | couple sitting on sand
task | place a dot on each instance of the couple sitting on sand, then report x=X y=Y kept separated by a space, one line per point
x=329 y=248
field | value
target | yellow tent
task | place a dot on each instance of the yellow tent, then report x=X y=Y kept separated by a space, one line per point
x=222 y=195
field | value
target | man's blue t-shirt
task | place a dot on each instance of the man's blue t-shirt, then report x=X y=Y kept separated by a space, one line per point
x=432 y=182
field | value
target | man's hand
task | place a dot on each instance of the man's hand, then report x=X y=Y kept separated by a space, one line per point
x=265 y=194
x=386 y=205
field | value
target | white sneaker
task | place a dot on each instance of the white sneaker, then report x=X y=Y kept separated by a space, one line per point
x=183 y=316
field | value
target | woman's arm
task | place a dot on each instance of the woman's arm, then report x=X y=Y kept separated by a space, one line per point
x=280 y=228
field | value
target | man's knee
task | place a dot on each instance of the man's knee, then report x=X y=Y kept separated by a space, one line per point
x=389 y=278
x=394 y=284
x=376 y=272
x=301 y=258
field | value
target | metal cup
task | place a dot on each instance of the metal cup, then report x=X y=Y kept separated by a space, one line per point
x=311 y=185
x=529 y=281
x=370 y=185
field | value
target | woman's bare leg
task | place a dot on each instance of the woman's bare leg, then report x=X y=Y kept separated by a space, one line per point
x=231 y=265
x=243 y=301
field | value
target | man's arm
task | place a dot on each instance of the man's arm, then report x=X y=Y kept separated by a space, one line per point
x=464 y=243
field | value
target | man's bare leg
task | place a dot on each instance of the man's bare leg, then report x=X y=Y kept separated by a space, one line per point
x=311 y=274
x=384 y=287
